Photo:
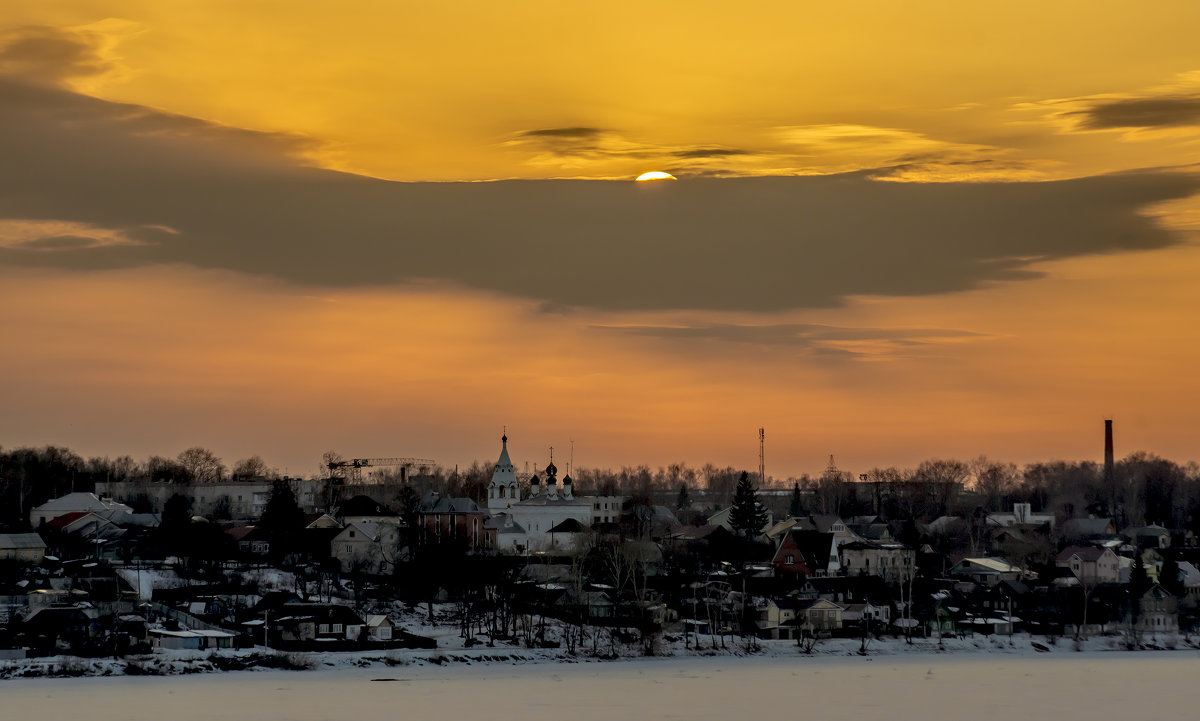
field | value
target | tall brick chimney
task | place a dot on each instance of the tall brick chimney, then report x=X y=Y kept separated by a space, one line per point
x=1108 y=451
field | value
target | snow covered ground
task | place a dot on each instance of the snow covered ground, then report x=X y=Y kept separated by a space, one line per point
x=452 y=650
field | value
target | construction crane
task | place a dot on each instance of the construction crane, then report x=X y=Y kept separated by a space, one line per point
x=350 y=471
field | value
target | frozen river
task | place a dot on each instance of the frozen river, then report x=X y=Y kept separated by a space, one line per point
x=1063 y=687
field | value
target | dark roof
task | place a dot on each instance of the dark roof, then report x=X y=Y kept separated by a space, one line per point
x=1086 y=527
x=449 y=505
x=852 y=588
x=1086 y=553
x=813 y=546
x=570 y=525
x=328 y=612
x=363 y=506
x=66 y=519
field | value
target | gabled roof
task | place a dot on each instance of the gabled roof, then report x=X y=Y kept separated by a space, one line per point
x=997 y=565
x=569 y=525
x=1085 y=553
x=1086 y=527
x=66 y=519
x=82 y=502
x=503 y=523
x=327 y=612
x=14 y=541
x=369 y=529
x=439 y=504
x=815 y=547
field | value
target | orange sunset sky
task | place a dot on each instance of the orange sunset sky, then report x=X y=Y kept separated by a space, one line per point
x=898 y=231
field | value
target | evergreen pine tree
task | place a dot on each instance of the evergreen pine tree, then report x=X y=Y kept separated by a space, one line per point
x=748 y=516
x=282 y=519
x=1139 y=581
x=683 y=500
x=1168 y=575
x=796 y=507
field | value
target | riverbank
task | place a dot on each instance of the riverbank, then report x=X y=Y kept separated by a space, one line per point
x=172 y=663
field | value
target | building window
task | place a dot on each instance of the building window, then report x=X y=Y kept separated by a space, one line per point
x=790 y=559
x=337 y=628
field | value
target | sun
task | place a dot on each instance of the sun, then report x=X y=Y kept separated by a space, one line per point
x=655 y=175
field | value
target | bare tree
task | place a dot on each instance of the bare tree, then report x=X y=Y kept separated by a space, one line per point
x=202 y=465
x=252 y=467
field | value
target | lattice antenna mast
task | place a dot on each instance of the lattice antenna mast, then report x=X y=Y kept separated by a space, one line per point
x=762 y=466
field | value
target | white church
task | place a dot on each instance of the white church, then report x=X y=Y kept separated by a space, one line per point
x=543 y=519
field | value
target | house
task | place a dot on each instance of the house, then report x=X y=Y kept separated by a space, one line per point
x=455 y=521
x=790 y=617
x=989 y=571
x=566 y=534
x=1022 y=515
x=722 y=518
x=1090 y=564
x=250 y=540
x=379 y=627
x=806 y=553
x=894 y=562
x=305 y=623
x=190 y=639
x=510 y=535
x=322 y=520
x=77 y=502
x=1158 y=612
x=819 y=523
x=28 y=547
x=1088 y=529
x=363 y=509
x=1189 y=578
x=366 y=547
x=1152 y=536
x=858 y=614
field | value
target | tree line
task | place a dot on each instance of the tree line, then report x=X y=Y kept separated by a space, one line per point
x=1142 y=489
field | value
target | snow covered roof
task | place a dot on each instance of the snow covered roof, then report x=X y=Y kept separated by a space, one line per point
x=81 y=502
x=997 y=565
x=12 y=541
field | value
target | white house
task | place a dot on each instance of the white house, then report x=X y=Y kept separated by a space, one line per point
x=366 y=547
x=1091 y=564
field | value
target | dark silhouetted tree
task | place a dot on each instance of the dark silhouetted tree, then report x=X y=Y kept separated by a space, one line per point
x=748 y=515
x=282 y=520
x=682 y=501
x=252 y=467
x=1168 y=575
x=796 y=505
x=202 y=465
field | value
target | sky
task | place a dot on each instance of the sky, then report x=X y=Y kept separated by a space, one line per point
x=897 y=231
